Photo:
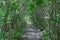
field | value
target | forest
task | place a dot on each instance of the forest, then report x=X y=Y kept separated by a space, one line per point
x=29 y=19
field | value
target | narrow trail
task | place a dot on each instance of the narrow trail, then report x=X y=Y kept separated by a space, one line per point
x=32 y=33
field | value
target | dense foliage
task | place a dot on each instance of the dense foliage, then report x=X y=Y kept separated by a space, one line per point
x=16 y=14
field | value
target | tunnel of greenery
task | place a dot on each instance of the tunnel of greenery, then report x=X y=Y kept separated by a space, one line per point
x=16 y=14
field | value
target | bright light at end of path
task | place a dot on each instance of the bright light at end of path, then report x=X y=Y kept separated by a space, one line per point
x=27 y=19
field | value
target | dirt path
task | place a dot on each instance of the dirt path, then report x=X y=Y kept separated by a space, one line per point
x=32 y=33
